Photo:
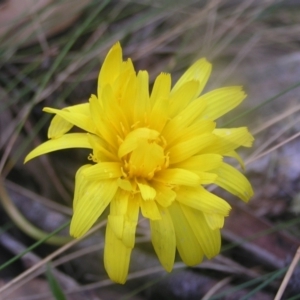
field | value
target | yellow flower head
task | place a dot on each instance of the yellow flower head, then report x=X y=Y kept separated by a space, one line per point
x=152 y=152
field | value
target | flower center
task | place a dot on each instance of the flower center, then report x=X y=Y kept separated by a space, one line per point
x=142 y=153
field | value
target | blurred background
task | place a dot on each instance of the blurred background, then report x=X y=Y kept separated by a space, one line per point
x=50 y=55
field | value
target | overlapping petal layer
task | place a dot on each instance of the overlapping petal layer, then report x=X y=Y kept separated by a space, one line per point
x=152 y=153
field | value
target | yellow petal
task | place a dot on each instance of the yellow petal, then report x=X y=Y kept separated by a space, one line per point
x=184 y=119
x=188 y=148
x=81 y=184
x=142 y=107
x=199 y=71
x=214 y=221
x=131 y=141
x=119 y=203
x=131 y=219
x=117 y=225
x=163 y=239
x=111 y=67
x=159 y=101
x=220 y=101
x=118 y=210
x=186 y=241
x=210 y=240
x=178 y=177
x=146 y=158
x=127 y=71
x=149 y=210
x=240 y=136
x=196 y=129
x=206 y=177
x=234 y=182
x=103 y=170
x=113 y=112
x=100 y=149
x=125 y=184
x=199 y=198
x=91 y=204
x=109 y=135
x=116 y=256
x=60 y=126
x=80 y=120
x=199 y=164
x=147 y=192
x=229 y=139
x=159 y=114
x=202 y=162
x=128 y=238
x=182 y=96
x=70 y=140
x=129 y=98
x=95 y=111
x=127 y=67
x=161 y=88
x=127 y=146
x=102 y=125
x=235 y=155
x=164 y=194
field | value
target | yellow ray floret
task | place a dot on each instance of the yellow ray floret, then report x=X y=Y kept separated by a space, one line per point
x=163 y=238
x=152 y=153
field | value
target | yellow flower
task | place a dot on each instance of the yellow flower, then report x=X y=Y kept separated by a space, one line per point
x=155 y=153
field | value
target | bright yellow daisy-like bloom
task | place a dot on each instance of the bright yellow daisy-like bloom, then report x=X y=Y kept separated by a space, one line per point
x=152 y=152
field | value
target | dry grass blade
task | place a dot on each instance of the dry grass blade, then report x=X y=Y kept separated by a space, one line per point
x=192 y=19
x=273 y=138
x=211 y=23
x=30 y=259
x=48 y=203
x=131 y=276
x=288 y=275
x=22 y=115
x=217 y=287
x=236 y=30
x=16 y=282
x=248 y=161
x=247 y=48
x=160 y=35
x=275 y=120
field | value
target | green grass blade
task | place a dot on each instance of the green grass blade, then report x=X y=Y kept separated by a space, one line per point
x=249 y=283
x=41 y=241
x=262 y=104
x=55 y=288
x=263 y=284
